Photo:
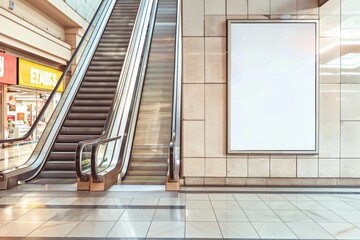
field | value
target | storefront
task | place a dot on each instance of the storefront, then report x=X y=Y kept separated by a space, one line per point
x=8 y=76
x=22 y=102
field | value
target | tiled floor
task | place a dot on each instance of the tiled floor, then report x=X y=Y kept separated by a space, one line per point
x=35 y=211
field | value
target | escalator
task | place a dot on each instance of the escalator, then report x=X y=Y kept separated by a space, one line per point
x=89 y=111
x=149 y=154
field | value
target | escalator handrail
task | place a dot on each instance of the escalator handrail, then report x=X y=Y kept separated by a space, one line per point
x=61 y=79
x=106 y=137
x=175 y=141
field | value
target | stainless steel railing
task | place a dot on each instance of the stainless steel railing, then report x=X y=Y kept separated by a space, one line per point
x=175 y=142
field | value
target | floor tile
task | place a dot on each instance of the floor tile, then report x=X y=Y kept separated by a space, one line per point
x=105 y=215
x=13 y=213
x=309 y=231
x=321 y=216
x=33 y=201
x=202 y=230
x=271 y=197
x=342 y=230
x=116 y=201
x=293 y=216
x=200 y=215
x=19 y=228
x=145 y=201
x=91 y=229
x=296 y=197
x=246 y=196
x=230 y=215
x=221 y=197
x=167 y=230
x=322 y=197
x=137 y=215
x=338 y=206
x=72 y=215
x=262 y=216
x=4 y=222
x=351 y=216
x=171 y=202
x=225 y=205
x=198 y=205
x=355 y=205
x=197 y=196
x=273 y=230
x=89 y=201
x=238 y=230
x=280 y=205
x=40 y=214
x=129 y=229
x=61 y=201
x=54 y=229
x=253 y=205
x=348 y=197
x=169 y=215
x=308 y=205
x=8 y=200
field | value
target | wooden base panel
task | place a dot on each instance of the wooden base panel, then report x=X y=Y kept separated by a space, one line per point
x=83 y=186
x=172 y=186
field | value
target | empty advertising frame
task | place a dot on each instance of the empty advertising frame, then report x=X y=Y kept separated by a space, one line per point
x=272 y=87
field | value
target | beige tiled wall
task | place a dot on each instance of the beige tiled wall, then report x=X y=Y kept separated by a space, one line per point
x=204 y=130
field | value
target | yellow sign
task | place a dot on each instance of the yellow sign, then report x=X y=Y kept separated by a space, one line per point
x=38 y=76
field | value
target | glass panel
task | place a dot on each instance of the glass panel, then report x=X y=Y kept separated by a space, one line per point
x=23 y=107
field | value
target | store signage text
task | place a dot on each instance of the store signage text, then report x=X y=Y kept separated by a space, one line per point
x=7 y=69
x=38 y=76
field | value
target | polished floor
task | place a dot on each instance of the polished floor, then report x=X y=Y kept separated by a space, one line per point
x=57 y=211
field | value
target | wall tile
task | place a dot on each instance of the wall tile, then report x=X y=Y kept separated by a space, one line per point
x=215 y=60
x=259 y=7
x=283 y=6
x=236 y=7
x=215 y=181
x=307 y=167
x=236 y=17
x=329 y=168
x=193 y=102
x=350 y=139
x=215 y=25
x=282 y=166
x=215 y=7
x=329 y=114
x=258 y=166
x=194 y=181
x=350 y=168
x=215 y=167
x=308 y=7
x=237 y=166
x=215 y=120
x=193 y=60
x=193 y=167
x=350 y=94
x=193 y=17
x=329 y=50
x=193 y=139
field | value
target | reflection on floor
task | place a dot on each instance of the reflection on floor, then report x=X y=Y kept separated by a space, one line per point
x=46 y=211
x=15 y=155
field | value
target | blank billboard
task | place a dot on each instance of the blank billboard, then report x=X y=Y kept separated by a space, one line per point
x=272 y=87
